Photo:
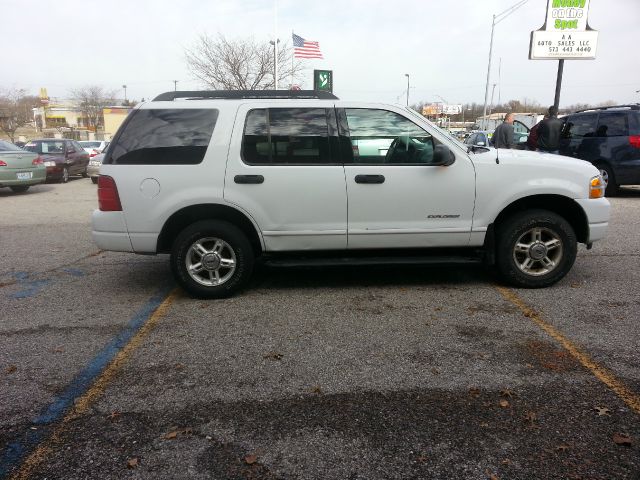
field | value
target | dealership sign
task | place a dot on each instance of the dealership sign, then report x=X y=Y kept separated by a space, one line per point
x=441 y=109
x=565 y=33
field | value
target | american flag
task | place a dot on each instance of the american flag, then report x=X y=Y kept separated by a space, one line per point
x=305 y=49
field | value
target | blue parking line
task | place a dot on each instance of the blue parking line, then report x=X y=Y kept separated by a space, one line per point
x=40 y=426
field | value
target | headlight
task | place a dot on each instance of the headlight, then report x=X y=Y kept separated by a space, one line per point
x=49 y=164
x=596 y=187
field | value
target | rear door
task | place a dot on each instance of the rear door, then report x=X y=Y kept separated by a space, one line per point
x=613 y=131
x=285 y=170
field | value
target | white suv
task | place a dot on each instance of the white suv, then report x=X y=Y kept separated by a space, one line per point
x=222 y=179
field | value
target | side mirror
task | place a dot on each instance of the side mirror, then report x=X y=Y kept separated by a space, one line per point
x=443 y=156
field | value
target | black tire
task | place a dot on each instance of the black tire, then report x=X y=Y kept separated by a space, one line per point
x=519 y=229
x=84 y=173
x=610 y=179
x=65 y=175
x=20 y=188
x=94 y=179
x=236 y=242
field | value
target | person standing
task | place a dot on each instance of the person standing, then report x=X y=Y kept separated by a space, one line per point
x=549 y=132
x=503 y=136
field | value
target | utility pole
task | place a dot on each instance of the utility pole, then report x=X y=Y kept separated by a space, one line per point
x=125 y=93
x=175 y=85
x=496 y=19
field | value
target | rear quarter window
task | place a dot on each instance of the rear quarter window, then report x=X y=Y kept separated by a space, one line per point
x=612 y=124
x=164 y=137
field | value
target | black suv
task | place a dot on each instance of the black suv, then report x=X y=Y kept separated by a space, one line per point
x=608 y=137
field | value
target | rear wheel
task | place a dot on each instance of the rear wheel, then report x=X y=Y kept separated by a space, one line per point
x=609 y=179
x=20 y=188
x=65 y=175
x=84 y=173
x=535 y=248
x=94 y=179
x=212 y=259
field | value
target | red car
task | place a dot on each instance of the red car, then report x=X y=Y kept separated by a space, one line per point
x=62 y=157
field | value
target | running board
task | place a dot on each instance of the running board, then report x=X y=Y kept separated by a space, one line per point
x=368 y=261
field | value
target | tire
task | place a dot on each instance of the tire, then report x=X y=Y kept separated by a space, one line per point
x=20 y=188
x=609 y=178
x=535 y=249
x=65 y=175
x=84 y=173
x=218 y=240
x=94 y=179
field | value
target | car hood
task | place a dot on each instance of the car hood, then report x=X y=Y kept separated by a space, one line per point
x=536 y=172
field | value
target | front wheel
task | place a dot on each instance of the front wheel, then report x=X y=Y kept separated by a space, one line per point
x=535 y=249
x=65 y=175
x=212 y=259
x=20 y=188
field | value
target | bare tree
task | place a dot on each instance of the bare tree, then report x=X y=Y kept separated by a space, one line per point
x=245 y=64
x=90 y=100
x=15 y=110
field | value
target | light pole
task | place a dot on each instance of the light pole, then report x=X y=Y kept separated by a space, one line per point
x=125 y=93
x=407 y=75
x=496 y=19
x=175 y=85
x=275 y=61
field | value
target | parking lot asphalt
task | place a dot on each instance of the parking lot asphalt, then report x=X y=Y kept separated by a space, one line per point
x=107 y=370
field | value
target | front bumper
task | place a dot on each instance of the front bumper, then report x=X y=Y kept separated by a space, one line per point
x=598 y=212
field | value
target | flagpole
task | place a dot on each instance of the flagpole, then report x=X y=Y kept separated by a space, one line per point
x=275 y=42
x=291 y=87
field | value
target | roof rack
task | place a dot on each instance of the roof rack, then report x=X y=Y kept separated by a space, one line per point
x=632 y=106
x=242 y=94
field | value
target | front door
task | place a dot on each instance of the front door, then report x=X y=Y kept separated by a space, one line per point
x=284 y=169
x=396 y=199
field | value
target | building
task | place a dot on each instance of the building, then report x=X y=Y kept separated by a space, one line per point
x=113 y=118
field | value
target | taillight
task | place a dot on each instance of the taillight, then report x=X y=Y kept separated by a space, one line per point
x=93 y=153
x=37 y=161
x=3 y=163
x=634 y=140
x=108 y=198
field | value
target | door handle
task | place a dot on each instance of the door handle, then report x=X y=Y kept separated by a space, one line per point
x=369 y=178
x=248 y=179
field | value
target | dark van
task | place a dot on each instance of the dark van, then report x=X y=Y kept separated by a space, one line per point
x=609 y=138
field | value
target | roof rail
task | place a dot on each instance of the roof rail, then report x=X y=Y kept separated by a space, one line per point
x=242 y=94
x=632 y=106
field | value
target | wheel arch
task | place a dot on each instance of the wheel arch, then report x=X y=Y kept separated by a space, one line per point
x=571 y=211
x=184 y=217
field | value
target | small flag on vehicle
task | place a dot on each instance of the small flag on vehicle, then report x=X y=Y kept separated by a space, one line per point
x=305 y=48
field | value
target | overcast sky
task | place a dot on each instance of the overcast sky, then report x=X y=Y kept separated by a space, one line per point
x=369 y=45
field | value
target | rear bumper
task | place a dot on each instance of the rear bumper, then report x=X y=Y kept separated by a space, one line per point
x=9 y=179
x=109 y=231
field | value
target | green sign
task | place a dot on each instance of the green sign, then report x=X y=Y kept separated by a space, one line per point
x=323 y=80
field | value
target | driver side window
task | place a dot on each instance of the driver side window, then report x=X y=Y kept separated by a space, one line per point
x=384 y=137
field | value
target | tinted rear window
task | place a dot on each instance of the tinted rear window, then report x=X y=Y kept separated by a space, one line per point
x=46 y=147
x=89 y=144
x=8 y=147
x=612 y=124
x=164 y=137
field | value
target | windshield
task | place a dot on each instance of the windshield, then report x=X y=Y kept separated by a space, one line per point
x=48 y=146
x=443 y=132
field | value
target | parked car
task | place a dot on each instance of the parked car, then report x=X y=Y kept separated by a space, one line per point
x=19 y=169
x=93 y=147
x=482 y=138
x=62 y=157
x=221 y=180
x=93 y=170
x=609 y=138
